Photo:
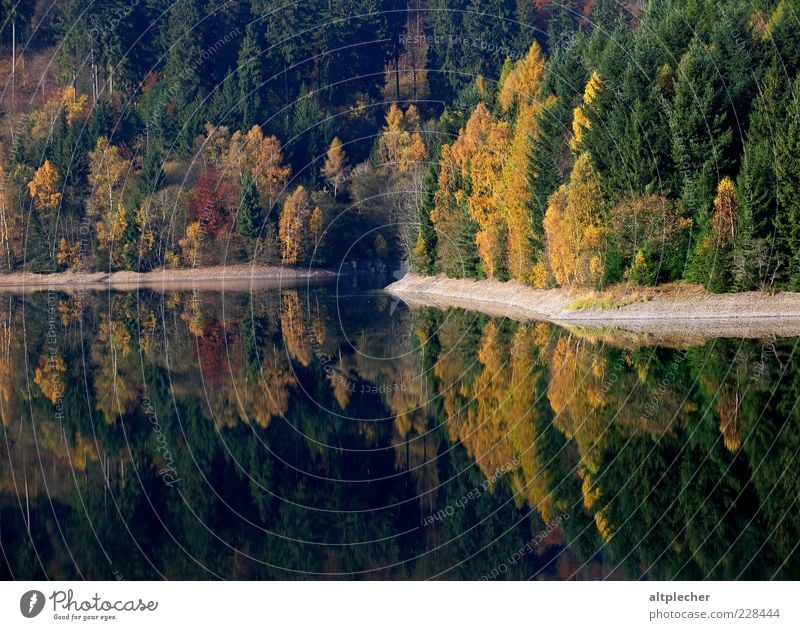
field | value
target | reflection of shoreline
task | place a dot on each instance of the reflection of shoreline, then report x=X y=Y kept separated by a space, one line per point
x=228 y=278
x=685 y=312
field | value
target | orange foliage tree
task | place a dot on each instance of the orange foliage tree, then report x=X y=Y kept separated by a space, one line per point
x=294 y=228
x=44 y=189
x=401 y=144
x=480 y=152
x=726 y=208
x=574 y=228
x=335 y=168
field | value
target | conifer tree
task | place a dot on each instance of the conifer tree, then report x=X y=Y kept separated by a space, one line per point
x=250 y=215
x=250 y=78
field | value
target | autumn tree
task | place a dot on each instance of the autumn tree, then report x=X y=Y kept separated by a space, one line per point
x=317 y=226
x=259 y=155
x=210 y=201
x=711 y=262
x=401 y=145
x=335 y=168
x=726 y=209
x=574 y=227
x=480 y=153
x=106 y=171
x=521 y=91
x=523 y=83
x=294 y=230
x=45 y=191
x=580 y=117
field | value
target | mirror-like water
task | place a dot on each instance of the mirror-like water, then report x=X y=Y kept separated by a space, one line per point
x=331 y=431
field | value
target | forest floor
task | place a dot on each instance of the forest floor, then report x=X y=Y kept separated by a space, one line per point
x=677 y=311
x=230 y=277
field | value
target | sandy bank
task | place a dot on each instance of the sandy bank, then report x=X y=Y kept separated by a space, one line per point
x=233 y=277
x=676 y=311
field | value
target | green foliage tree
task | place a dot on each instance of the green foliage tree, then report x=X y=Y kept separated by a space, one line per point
x=250 y=215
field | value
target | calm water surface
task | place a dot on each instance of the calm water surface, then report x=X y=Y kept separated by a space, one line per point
x=330 y=432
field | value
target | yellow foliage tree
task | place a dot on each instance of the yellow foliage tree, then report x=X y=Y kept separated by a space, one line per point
x=74 y=105
x=726 y=207
x=574 y=227
x=294 y=227
x=523 y=83
x=266 y=164
x=515 y=194
x=254 y=152
x=335 y=168
x=49 y=376
x=110 y=232
x=401 y=144
x=580 y=121
x=44 y=189
x=481 y=151
x=317 y=225
x=191 y=244
x=69 y=254
x=106 y=171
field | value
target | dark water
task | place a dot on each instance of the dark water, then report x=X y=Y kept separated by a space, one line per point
x=332 y=432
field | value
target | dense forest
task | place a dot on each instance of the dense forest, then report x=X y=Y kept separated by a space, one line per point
x=649 y=144
x=579 y=143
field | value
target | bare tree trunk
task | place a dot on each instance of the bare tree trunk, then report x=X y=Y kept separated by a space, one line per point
x=13 y=62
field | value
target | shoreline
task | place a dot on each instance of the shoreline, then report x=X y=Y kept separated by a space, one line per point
x=674 y=311
x=223 y=277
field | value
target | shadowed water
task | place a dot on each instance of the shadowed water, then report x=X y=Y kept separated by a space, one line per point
x=331 y=432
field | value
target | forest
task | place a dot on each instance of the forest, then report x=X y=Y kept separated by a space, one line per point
x=578 y=143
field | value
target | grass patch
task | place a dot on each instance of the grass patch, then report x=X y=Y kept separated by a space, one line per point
x=603 y=302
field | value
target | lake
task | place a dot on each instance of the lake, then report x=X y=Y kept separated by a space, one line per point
x=332 y=432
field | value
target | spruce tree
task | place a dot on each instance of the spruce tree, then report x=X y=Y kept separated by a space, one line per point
x=250 y=77
x=152 y=164
x=701 y=134
x=250 y=215
x=788 y=176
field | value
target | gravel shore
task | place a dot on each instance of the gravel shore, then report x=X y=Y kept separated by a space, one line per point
x=684 y=311
x=232 y=277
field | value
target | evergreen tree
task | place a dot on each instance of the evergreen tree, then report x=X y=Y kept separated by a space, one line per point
x=788 y=176
x=307 y=141
x=250 y=78
x=424 y=253
x=152 y=164
x=700 y=131
x=226 y=105
x=250 y=216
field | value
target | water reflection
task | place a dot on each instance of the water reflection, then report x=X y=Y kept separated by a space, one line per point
x=330 y=432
